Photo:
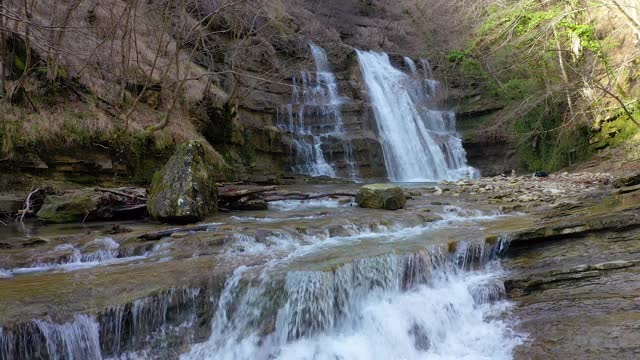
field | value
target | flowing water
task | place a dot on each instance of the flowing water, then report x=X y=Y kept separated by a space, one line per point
x=419 y=141
x=314 y=118
x=424 y=305
x=306 y=280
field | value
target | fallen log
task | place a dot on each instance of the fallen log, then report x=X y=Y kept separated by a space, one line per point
x=136 y=196
x=302 y=196
x=234 y=193
x=157 y=235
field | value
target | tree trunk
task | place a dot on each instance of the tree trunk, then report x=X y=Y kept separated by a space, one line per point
x=56 y=41
x=19 y=87
x=563 y=70
x=630 y=14
x=3 y=54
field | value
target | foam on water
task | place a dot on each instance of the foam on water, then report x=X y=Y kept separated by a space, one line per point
x=98 y=252
x=296 y=244
x=273 y=220
x=418 y=306
x=5 y=274
x=294 y=205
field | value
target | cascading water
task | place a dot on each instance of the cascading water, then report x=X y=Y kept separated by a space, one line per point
x=427 y=305
x=350 y=291
x=419 y=143
x=313 y=116
x=75 y=340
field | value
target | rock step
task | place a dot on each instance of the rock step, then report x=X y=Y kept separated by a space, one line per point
x=532 y=283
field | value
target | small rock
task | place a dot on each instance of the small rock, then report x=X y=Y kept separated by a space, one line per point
x=430 y=217
x=618 y=264
x=180 y=234
x=381 y=196
x=34 y=242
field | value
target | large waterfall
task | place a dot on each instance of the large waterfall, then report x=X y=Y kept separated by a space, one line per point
x=314 y=117
x=419 y=142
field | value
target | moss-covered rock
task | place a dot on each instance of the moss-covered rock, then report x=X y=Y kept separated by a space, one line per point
x=75 y=206
x=381 y=196
x=184 y=190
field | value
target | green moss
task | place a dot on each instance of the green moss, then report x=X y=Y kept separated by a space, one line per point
x=616 y=132
x=491 y=239
x=142 y=156
x=544 y=143
x=66 y=208
x=517 y=89
x=456 y=56
x=184 y=190
x=381 y=196
x=464 y=62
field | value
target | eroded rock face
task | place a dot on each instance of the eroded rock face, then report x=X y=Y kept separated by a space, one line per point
x=184 y=190
x=381 y=196
x=627 y=181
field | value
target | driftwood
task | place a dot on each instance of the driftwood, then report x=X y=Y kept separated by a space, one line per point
x=34 y=202
x=233 y=193
x=255 y=198
x=302 y=196
x=157 y=235
x=131 y=203
x=135 y=195
x=27 y=204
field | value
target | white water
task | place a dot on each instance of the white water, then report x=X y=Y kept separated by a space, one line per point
x=99 y=252
x=419 y=142
x=313 y=117
x=417 y=306
x=75 y=340
x=290 y=205
x=429 y=304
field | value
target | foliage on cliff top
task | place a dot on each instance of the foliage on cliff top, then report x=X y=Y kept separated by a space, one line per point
x=561 y=68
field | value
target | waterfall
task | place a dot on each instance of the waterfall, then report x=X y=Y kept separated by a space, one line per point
x=314 y=117
x=40 y=339
x=426 y=305
x=420 y=143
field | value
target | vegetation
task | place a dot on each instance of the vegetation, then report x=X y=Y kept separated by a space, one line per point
x=135 y=78
x=123 y=77
x=565 y=71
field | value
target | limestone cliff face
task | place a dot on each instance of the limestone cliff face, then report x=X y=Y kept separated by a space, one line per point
x=243 y=80
x=260 y=115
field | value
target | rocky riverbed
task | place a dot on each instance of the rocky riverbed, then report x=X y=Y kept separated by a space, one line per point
x=568 y=242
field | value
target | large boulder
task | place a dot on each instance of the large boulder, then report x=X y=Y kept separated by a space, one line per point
x=69 y=207
x=184 y=190
x=381 y=196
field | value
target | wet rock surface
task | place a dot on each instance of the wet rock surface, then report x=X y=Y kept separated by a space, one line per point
x=575 y=279
x=572 y=265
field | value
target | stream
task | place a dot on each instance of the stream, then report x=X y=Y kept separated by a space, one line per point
x=318 y=279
